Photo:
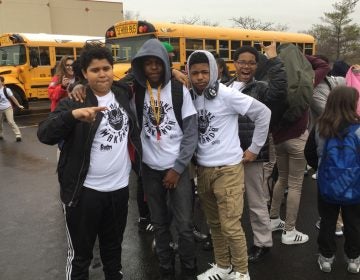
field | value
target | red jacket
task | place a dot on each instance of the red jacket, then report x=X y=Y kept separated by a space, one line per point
x=56 y=92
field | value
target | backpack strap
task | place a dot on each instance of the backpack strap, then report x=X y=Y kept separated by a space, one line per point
x=177 y=99
x=6 y=94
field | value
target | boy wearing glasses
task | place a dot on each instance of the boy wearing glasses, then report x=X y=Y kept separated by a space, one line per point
x=271 y=93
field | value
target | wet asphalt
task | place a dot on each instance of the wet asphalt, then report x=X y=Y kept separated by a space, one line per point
x=32 y=234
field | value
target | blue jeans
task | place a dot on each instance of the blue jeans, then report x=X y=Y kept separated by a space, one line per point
x=164 y=205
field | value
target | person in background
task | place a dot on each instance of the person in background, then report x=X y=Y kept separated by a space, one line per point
x=64 y=76
x=223 y=71
x=353 y=80
x=289 y=138
x=338 y=119
x=6 y=97
x=271 y=93
x=100 y=139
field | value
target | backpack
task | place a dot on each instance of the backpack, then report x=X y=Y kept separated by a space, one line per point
x=177 y=100
x=300 y=77
x=339 y=169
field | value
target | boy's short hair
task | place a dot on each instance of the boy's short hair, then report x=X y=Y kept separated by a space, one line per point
x=198 y=57
x=2 y=79
x=248 y=49
x=93 y=51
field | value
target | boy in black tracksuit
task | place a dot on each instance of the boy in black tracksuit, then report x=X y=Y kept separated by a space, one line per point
x=100 y=141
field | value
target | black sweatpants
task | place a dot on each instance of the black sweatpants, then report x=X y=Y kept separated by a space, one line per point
x=102 y=214
x=351 y=218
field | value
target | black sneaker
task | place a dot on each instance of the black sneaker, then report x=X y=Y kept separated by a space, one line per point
x=145 y=225
x=1 y=138
x=18 y=139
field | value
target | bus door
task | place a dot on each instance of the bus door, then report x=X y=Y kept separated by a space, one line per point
x=40 y=71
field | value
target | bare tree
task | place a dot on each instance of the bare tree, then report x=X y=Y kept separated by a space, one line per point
x=338 y=37
x=197 y=20
x=131 y=15
x=256 y=24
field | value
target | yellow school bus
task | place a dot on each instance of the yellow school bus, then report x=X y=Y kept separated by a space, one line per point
x=126 y=37
x=26 y=61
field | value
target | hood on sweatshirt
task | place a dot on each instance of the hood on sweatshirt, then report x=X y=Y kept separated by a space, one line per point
x=151 y=47
x=212 y=66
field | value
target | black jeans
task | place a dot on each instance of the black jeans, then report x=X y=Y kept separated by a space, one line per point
x=180 y=202
x=351 y=218
x=142 y=200
x=102 y=214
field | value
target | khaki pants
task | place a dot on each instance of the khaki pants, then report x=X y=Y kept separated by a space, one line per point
x=291 y=165
x=221 y=192
x=9 y=114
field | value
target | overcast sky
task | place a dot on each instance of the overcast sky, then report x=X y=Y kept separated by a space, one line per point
x=299 y=15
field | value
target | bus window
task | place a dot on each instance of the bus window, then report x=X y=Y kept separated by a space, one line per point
x=224 y=49
x=246 y=43
x=78 y=52
x=257 y=46
x=309 y=49
x=175 y=42
x=44 y=56
x=234 y=46
x=34 y=56
x=193 y=45
x=60 y=52
x=210 y=45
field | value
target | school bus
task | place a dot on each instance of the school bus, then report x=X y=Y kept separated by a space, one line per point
x=126 y=37
x=26 y=61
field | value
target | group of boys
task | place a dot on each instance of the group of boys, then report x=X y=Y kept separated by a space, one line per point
x=103 y=138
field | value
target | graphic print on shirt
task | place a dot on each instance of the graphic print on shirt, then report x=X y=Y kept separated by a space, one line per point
x=207 y=133
x=116 y=127
x=165 y=123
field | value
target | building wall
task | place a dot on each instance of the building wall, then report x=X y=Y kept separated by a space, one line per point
x=77 y=17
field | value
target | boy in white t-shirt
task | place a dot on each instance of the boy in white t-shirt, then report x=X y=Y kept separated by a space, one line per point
x=7 y=110
x=220 y=162
x=100 y=138
x=169 y=138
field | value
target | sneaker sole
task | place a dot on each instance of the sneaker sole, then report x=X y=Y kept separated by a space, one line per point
x=294 y=242
x=356 y=271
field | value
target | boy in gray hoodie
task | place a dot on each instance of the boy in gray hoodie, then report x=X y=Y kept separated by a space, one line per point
x=168 y=145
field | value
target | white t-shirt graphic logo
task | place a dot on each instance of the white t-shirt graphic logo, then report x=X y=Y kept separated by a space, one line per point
x=117 y=127
x=207 y=132
x=165 y=124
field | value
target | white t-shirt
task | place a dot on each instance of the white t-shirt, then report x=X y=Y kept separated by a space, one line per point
x=4 y=102
x=161 y=154
x=237 y=85
x=110 y=163
x=219 y=142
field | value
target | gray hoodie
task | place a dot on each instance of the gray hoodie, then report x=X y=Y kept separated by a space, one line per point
x=213 y=69
x=151 y=47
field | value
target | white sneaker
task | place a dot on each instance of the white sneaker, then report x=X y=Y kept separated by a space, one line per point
x=293 y=237
x=353 y=264
x=241 y=276
x=325 y=263
x=314 y=176
x=216 y=272
x=277 y=224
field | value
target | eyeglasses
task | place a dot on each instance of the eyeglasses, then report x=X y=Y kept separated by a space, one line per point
x=244 y=63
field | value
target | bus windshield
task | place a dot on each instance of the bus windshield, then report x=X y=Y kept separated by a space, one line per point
x=12 y=55
x=124 y=49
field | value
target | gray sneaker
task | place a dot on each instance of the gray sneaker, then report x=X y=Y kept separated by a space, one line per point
x=325 y=263
x=353 y=264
